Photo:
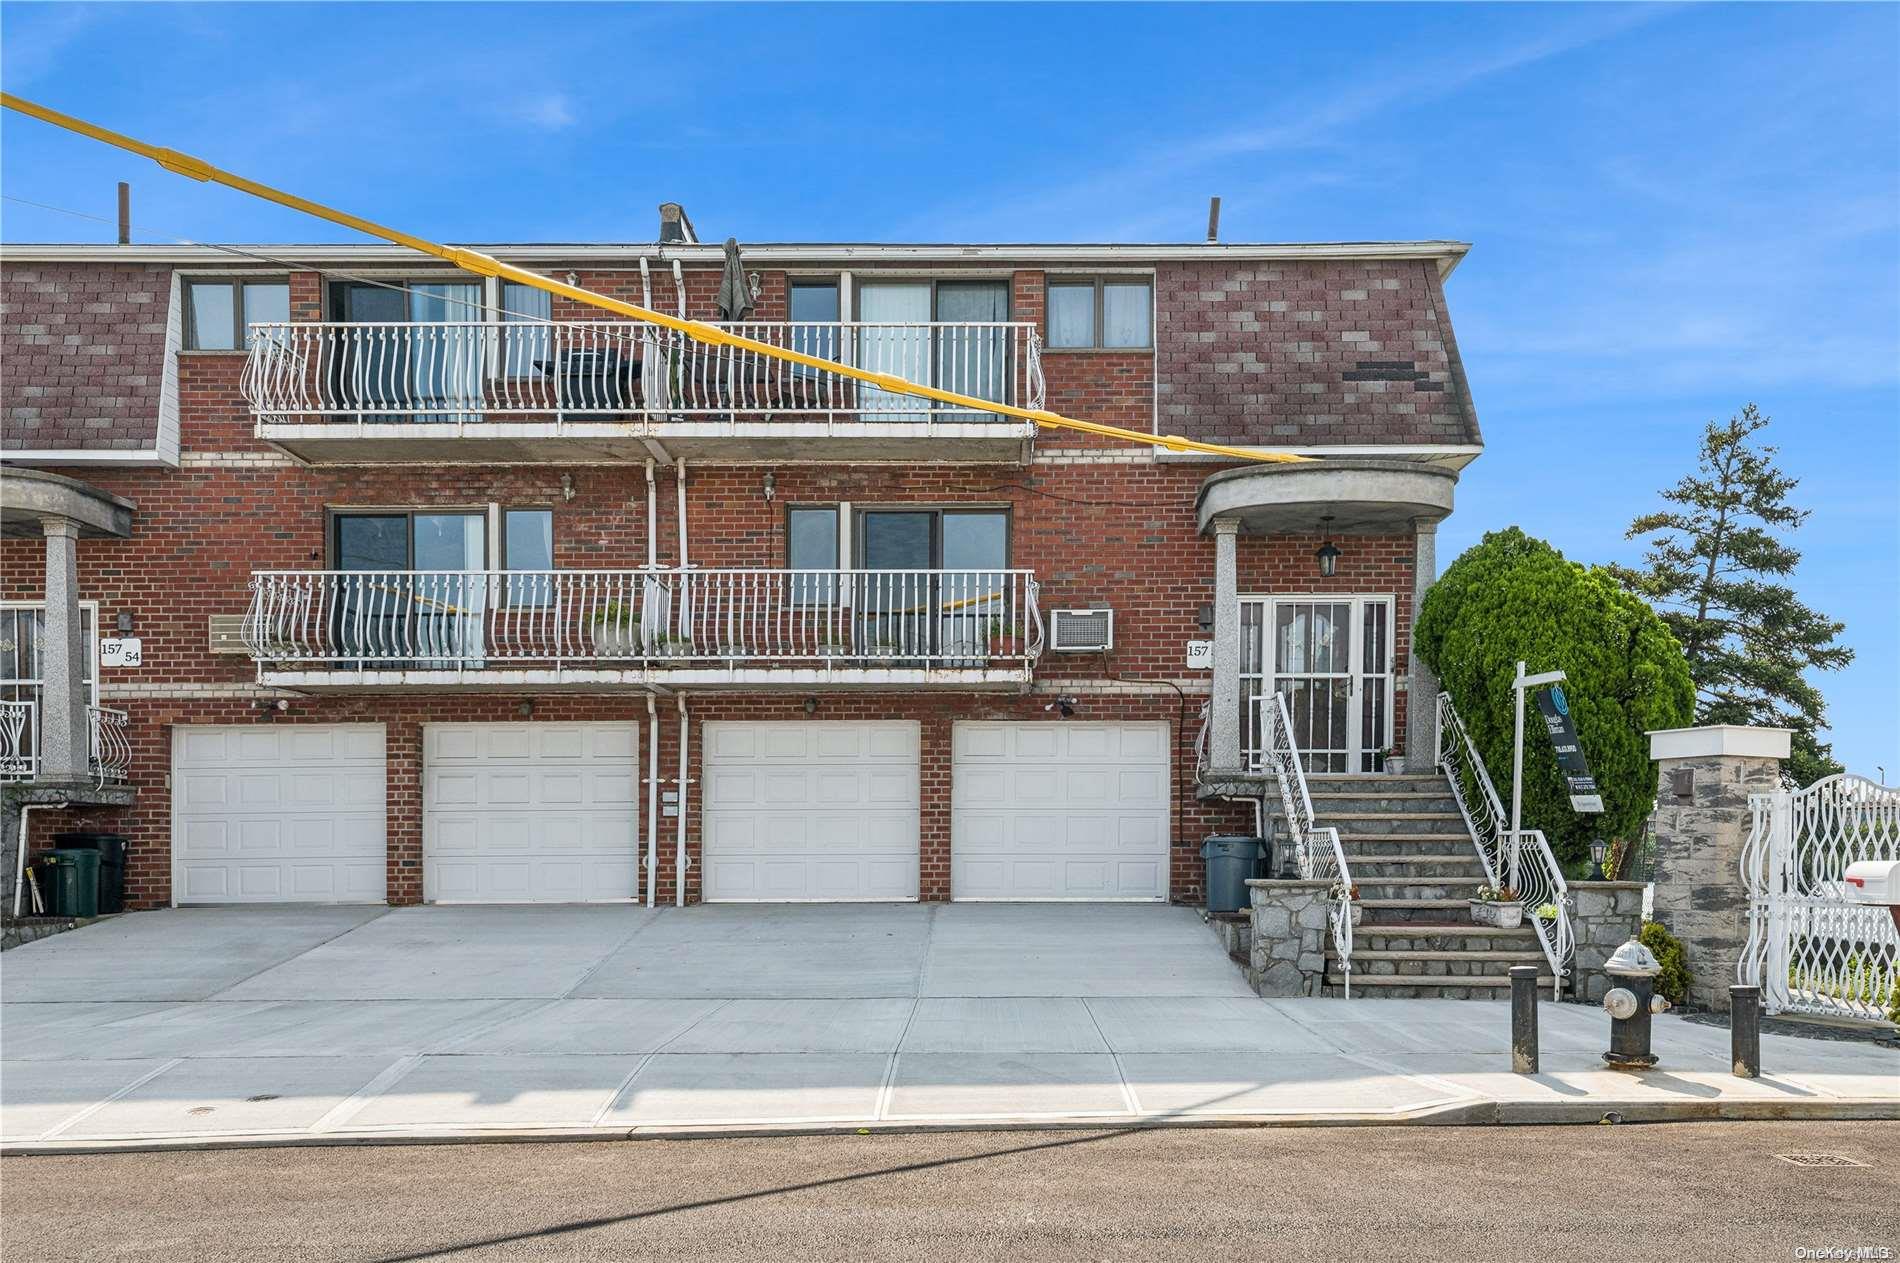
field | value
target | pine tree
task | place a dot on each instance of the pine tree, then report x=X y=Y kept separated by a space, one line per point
x=1711 y=571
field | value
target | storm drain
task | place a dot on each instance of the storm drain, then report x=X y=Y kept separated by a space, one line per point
x=1819 y=1160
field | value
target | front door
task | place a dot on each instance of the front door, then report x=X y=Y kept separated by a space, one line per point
x=1331 y=658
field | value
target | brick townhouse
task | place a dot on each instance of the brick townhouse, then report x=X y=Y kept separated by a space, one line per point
x=444 y=591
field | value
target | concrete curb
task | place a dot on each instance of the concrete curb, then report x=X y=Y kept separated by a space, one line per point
x=1449 y=1114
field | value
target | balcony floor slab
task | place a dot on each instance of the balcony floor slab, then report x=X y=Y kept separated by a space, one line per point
x=615 y=679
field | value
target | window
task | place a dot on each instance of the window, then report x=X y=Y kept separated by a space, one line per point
x=814 y=312
x=1109 y=312
x=219 y=314
x=527 y=336
x=527 y=543
x=811 y=543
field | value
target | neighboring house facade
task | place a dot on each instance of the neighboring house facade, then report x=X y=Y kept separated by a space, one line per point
x=445 y=591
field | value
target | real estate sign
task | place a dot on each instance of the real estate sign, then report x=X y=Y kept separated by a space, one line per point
x=1570 y=761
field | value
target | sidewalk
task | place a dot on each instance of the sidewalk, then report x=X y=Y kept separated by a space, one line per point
x=449 y=1024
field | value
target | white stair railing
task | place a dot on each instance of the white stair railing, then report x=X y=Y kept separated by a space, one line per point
x=466 y=620
x=1321 y=857
x=1523 y=862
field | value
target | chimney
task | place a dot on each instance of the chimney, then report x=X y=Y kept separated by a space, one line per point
x=675 y=227
x=125 y=213
x=1213 y=220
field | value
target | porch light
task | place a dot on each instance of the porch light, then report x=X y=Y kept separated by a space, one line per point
x=1328 y=555
x=1598 y=849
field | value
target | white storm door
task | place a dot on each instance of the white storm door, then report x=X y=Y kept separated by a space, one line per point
x=810 y=811
x=278 y=813
x=1331 y=657
x=1057 y=809
x=530 y=813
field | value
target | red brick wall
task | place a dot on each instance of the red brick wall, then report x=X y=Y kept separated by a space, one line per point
x=1309 y=353
x=84 y=354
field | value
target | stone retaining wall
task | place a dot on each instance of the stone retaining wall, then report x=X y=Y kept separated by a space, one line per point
x=1289 y=937
x=1604 y=915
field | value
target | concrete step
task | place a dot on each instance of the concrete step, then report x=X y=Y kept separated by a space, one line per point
x=1406 y=845
x=1425 y=936
x=1396 y=862
x=1374 y=780
x=1393 y=909
x=1430 y=986
x=1435 y=964
x=1530 y=956
x=1325 y=805
x=1352 y=824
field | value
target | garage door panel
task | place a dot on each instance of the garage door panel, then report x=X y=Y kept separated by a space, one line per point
x=1059 y=810
x=530 y=812
x=811 y=810
x=279 y=813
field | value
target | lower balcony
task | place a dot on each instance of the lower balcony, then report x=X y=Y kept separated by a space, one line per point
x=594 y=630
x=108 y=755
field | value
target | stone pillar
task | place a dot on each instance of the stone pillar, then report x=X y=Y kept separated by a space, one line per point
x=1290 y=931
x=1223 y=736
x=1704 y=779
x=1604 y=916
x=65 y=746
x=1421 y=706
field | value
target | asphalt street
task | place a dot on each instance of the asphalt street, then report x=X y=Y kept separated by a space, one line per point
x=1664 y=1191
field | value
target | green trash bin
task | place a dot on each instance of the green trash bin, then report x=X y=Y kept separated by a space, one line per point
x=71 y=878
x=1230 y=862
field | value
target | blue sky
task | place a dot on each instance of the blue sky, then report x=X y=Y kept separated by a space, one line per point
x=1674 y=210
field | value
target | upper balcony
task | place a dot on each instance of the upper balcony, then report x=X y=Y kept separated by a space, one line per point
x=518 y=391
x=365 y=630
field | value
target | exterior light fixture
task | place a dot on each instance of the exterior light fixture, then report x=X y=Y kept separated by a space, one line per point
x=1204 y=618
x=125 y=622
x=1598 y=849
x=811 y=706
x=771 y=486
x=526 y=709
x=1328 y=555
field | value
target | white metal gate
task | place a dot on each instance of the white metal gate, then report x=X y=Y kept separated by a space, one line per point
x=1809 y=948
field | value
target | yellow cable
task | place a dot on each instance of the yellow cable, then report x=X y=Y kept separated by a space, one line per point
x=480 y=264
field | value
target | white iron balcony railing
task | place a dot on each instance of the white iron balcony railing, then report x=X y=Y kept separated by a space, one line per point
x=472 y=371
x=19 y=733
x=467 y=620
x=111 y=750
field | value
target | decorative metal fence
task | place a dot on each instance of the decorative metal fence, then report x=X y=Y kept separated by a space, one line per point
x=111 y=749
x=1522 y=861
x=19 y=759
x=474 y=371
x=463 y=620
x=1810 y=949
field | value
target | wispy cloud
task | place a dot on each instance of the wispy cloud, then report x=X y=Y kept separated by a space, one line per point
x=1084 y=200
x=550 y=112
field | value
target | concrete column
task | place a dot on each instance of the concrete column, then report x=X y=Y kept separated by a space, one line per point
x=1421 y=707
x=1223 y=737
x=64 y=741
x=1704 y=779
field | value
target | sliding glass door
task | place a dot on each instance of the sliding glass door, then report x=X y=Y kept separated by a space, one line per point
x=920 y=600
x=418 y=597
x=419 y=355
x=894 y=337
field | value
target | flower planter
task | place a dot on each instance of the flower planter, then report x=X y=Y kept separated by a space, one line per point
x=616 y=640
x=1395 y=765
x=1505 y=916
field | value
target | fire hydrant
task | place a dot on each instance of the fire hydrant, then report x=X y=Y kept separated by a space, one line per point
x=1630 y=1003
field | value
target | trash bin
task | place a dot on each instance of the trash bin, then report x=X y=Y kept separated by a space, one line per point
x=72 y=880
x=111 y=848
x=1230 y=862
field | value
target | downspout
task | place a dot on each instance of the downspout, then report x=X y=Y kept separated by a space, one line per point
x=653 y=791
x=679 y=474
x=653 y=518
x=679 y=844
x=19 y=860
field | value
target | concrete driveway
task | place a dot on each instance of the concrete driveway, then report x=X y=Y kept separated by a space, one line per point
x=244 y=1025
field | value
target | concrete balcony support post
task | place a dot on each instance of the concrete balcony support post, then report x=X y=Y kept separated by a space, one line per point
x=1223 y=737
x=65 y=753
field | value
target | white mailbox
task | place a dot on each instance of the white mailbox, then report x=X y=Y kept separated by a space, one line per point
x=1874 y=881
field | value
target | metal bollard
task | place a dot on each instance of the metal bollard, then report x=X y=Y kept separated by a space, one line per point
x=1744 y=1031
x=1524 y=1019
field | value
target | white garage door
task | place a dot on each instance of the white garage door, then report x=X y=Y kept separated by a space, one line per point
x=1059 y=811
x=278 y=813
x=529 y=813
x=814 y=811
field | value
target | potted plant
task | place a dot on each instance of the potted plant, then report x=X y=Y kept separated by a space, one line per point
x=1348 y=894
x=616 y=629
x=1497 y=905
x=667 y=645
x=997 y=638
x=1546 y=912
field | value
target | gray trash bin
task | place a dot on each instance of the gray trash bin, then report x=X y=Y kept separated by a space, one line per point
x=1230 y=862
